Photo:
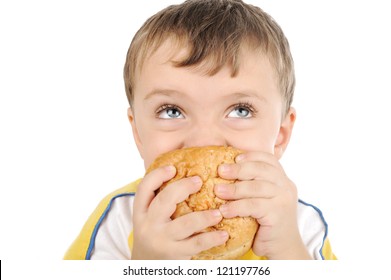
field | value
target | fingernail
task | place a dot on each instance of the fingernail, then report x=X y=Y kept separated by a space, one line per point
x=216 y=213
x=240 y=158
x=170 y=168
x=196 y=180
x=221 y=189
x=224 y=234
x=224 y=168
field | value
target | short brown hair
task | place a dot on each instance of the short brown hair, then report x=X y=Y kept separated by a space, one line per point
x=213 y=30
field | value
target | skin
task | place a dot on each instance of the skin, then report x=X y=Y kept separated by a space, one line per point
x=176 y=107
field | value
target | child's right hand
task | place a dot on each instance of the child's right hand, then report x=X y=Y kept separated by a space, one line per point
x=156 y=235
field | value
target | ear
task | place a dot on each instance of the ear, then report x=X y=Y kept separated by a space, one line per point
x=136 y=136
x=284 y=135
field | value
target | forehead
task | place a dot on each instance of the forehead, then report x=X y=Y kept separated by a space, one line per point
x=177 y=53
x=255 y=77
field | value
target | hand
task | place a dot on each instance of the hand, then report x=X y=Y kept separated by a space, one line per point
x=156 y=236
x=263 y=191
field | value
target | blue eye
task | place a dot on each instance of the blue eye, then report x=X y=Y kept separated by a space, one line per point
x=242 y=111
x=169 y=112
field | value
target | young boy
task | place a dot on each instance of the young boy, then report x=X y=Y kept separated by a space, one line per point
x=215 y=72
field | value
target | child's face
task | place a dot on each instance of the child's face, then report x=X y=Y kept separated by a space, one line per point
x=176 y=107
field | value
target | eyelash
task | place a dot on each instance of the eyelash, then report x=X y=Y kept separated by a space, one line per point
x=165 y=106
x=247 y=105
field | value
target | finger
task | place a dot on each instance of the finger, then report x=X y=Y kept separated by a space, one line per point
x=246 y=189
x=151 y=182
x=251 y=170
x=258 y=156
x=164 y=204
x=252 y=207
x=204 y=241
x=189 y=224
x=266 y=161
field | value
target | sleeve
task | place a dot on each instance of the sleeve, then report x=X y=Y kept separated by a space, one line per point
x=314 y=229
x=111 y=241
x=105 y=234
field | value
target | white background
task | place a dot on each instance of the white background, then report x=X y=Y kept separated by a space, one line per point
x=65 y=141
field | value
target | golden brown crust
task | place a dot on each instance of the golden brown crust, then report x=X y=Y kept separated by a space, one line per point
x=204 y=161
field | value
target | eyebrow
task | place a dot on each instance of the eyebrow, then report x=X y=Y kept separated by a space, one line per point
x=248 y=94
x=166 y=92
x=170 y=92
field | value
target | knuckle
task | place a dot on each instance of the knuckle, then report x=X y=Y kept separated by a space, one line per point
x=187 y=221
x=234 y=189
x=258 y=186
x=237 y=168
x=199 y=242
x=253 y=204
x=260 y=165
x=161 y=197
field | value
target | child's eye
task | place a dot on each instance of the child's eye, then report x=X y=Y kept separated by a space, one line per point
x=168 y=111
x=242 y=110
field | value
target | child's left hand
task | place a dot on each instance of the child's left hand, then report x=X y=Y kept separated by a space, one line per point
x=263 y=191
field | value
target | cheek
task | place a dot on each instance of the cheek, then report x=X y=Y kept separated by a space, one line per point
x=148 y=142
x=153 y=139
x=257 y=141
x=261 y=137
x=263 y=145
x=155 y=144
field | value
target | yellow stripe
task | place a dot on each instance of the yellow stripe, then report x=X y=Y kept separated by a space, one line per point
x=78 y=249
x=327 y=252
x=251 y=256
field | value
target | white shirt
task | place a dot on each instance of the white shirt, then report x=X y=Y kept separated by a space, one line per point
x=110 y=237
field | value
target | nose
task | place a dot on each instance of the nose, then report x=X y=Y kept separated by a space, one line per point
x=205 y=134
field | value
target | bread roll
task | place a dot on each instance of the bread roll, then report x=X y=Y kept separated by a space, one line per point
x=204 y=161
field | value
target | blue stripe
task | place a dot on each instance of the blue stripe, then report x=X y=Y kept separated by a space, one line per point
x=324 y=222
x=95 y=232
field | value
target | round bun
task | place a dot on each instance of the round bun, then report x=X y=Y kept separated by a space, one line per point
x=204 y=161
